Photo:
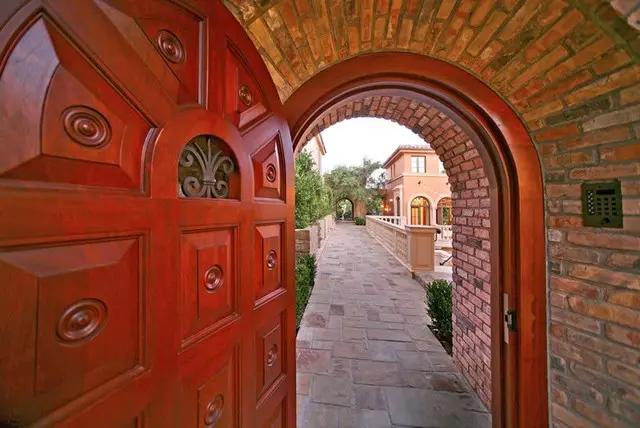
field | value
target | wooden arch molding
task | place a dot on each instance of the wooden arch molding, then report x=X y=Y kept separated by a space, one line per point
x=519 y=375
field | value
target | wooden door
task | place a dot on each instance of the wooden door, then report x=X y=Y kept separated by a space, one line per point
x=146 y=219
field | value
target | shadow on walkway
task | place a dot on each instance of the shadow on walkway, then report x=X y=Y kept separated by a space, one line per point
x=365 y=356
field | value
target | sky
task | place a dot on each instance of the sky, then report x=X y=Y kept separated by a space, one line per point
x=347 y=142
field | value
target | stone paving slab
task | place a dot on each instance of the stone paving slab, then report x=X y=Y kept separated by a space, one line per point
x=365 y=356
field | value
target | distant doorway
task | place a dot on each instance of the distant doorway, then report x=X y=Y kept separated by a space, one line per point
x=344 y=210
x=420 y=211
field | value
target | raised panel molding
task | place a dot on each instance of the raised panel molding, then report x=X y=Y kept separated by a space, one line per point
x=267 y=170
x=66 y=122
x=169 y=39
x=270 y=354
x=211 y=392
x=245 y=103
x=70 y=306
x=208 y=282
x=268 y=260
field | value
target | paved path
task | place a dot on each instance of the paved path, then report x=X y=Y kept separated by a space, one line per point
x=364 y=354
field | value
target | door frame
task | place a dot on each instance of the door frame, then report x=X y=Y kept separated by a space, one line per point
x=520 y=380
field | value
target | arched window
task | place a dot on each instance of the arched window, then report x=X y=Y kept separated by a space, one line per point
x=398 y=206
x=443 y=211
x=420 y=211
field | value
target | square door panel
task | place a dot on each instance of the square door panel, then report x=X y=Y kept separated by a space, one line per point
x=208 y=280
x=74 y=319
x=267 y=170
x=268 y=259
x=269 y=354
x=211 y=393
x=277 y=419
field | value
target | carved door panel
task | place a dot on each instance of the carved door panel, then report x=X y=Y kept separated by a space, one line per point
x=146 y=220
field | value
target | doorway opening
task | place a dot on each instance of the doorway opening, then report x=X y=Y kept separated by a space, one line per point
x=344 y=210
x=491 y=163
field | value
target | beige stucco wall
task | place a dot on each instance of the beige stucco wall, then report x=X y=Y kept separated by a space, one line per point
x=406 y=185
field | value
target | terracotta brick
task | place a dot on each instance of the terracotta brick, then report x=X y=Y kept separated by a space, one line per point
x=568 y=417
x=581 y=58
x=480 y=13
x=623 y=335
x=563 y=190
x=488 y=29
x=603 y=275
x=543 y=110
x=596 y=138
x=577 y=354
x=553 y=11
x=574 y=287
x=565 y=221
x=604 y=311
x=620 y=153
x=606 y=172
x=630 y=114
x=597 y=414
x=625 y=298
x=575 y=254
x=624 y=372
x=560 y=29
x=540 y=66
x=569 y=160
x=623 y=260
x=602 y=345
x=572 y=207
x=623 y=78
x=520 y=19
x=558 y=133
x=576 y=321
x=560 y=88
x=612 y=61
x=630 y=95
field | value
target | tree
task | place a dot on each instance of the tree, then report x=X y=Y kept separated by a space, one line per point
x=362 y=182
x=313 y=197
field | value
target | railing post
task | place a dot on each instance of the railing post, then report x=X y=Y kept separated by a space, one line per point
x=421 y=247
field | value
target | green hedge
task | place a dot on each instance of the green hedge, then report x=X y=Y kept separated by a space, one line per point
x=313 y=197
x=360 y=221
x=440 y=307
x=305 y=278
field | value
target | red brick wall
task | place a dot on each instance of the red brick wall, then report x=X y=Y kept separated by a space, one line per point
x=569 y=68
x=471 y=224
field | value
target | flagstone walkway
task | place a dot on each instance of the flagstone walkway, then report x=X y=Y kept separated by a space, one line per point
x=365 y=356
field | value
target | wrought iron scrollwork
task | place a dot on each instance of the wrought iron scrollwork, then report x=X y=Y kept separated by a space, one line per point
x=204 y=169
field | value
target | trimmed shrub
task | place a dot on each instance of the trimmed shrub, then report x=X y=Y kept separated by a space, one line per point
x=440 y=307
x=360 y=221
x=305 y=278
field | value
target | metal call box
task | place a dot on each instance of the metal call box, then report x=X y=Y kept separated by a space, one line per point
x=602 y=204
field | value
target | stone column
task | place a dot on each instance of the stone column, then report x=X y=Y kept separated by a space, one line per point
x=421 y=247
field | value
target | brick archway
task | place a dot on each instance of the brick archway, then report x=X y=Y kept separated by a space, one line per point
x=472 y=226
x=485 y=149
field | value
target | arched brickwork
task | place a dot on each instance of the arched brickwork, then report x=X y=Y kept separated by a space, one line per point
x=471 y=224
x=570 y=69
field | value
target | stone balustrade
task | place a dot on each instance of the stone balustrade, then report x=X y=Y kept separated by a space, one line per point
x=413 y=246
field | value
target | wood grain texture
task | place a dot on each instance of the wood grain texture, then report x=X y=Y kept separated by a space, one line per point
x=124 y=302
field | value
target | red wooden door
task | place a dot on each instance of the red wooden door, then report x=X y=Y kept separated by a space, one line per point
x=146 y=221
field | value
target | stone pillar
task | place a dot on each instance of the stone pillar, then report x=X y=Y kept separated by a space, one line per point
x=421 y=247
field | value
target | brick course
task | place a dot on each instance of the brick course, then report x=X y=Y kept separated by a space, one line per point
x=571 y=70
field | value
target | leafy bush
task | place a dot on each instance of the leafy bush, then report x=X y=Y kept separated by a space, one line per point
x=360 y=221
x=440 y=307
x=313 y=197
x=305 y=277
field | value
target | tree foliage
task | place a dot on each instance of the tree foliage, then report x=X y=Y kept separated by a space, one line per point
x=313 y=197
x=362 y=182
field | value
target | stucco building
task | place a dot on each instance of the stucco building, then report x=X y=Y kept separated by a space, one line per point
x=315 y=147
x=417 y=186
